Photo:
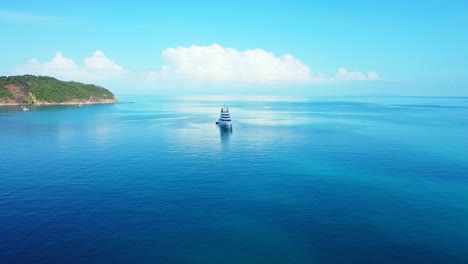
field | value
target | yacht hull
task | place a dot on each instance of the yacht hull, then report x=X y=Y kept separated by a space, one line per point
x=224 y=123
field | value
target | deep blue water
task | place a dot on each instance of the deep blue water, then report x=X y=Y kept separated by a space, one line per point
x=318 y=180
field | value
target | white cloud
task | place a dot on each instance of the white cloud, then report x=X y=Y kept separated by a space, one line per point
x=59 y=62
x=98 y=61
x=96 y=67
x=199 y=64
x=215 y=63
x=346 y=75
x=372 y=75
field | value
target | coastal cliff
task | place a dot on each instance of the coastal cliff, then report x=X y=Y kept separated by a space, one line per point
x=43 y=90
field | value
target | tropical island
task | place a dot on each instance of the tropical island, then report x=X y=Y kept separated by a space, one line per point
x=44 y=90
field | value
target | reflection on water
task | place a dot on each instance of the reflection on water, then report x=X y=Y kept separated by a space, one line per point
x=224 y=133
x=16 y=108
x=32 y=108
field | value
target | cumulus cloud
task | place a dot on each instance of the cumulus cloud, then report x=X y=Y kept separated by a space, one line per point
x=216 y=63
x=98 y=61
x=346 y=75
x=372 y=75
x=96 y=67
x=204 y=64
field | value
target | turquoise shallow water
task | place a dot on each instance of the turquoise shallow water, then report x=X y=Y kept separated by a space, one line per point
x=315 y=180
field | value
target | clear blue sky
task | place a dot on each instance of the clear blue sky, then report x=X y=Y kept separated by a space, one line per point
x=416 y=47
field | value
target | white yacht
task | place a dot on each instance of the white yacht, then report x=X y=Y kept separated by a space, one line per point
x=224 y=118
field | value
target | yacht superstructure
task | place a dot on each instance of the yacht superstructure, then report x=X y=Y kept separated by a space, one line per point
x=224 y=118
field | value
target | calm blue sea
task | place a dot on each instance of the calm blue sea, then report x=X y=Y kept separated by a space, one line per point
x=297 y=180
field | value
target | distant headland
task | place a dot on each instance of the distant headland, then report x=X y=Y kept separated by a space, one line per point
x=43 y=90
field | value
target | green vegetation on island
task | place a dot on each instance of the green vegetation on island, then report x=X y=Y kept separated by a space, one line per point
x=30 y=89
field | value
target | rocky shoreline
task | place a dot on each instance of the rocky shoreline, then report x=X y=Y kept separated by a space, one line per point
x=80 y=102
